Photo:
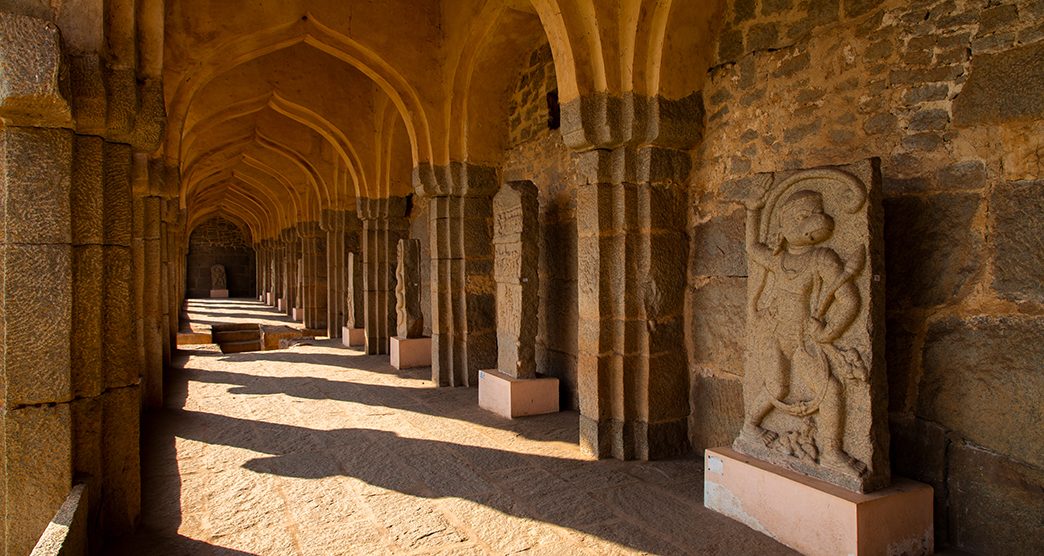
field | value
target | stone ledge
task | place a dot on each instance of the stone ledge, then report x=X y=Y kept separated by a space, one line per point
x=66 y=535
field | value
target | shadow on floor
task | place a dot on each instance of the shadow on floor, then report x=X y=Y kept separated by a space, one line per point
x=653 y=507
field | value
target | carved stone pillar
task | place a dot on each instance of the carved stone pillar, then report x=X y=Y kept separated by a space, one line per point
x=36 y=255
x=152 y=306
x=632 y=250
x=291 y=254
x=335 y=225
x=313 y=256
x=384 y=223
x=462 y=292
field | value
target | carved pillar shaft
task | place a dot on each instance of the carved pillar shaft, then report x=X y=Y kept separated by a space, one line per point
x=36 y=325
x=313 y=256
x=152 y=310
x=383 y=226
x=462 y=290
x=290 y=272
x=631 y=249
x=334 y=225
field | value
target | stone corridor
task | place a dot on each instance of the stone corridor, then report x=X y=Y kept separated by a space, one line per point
x=323 y=450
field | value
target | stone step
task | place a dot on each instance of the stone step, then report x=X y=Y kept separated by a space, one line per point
x=240 y=347
x=236 y=336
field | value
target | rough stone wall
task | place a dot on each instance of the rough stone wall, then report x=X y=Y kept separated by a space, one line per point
x=947 y=94
x=547 y=162
x=529 y=113
x=218 y=241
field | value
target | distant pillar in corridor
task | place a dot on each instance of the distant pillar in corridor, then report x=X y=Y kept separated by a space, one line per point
x=313 y=257
x=384 y=224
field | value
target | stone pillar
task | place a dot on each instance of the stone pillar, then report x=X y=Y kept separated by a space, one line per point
x=333 y=223
x=291 y=252
x=632 y=250
x=384 y=223
x=516 y=256
x=259 y=270
x=463 y=318
x=36 y=256
x=313 y=256
x=152 y=306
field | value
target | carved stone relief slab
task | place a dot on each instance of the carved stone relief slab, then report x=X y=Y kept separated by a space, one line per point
x=218 y=279
x=516 y=252
x=353 y=290
x=815 y=390
x=408 y=316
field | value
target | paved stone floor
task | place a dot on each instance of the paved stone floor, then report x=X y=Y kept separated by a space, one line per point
x=322 y=450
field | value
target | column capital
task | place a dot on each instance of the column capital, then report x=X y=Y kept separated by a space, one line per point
x=30 y=65
x=456 y=179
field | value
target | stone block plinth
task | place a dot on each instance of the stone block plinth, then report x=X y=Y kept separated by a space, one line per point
x=218 y=294
x=815 y=517
x=517 y=397
x=297 y=314
x=269 y=299
x=354 y=337
x=280 y=305
x=408 y=353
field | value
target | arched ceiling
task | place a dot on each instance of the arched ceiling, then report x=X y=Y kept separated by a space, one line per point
x=280 y=109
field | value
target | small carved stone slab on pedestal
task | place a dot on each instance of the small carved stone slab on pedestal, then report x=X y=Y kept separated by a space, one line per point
x=218 y=294
x=409 y=319
x=513 y=389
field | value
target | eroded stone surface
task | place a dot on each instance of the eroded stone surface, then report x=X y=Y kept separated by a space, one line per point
x=516 y=252
x=409 y=319
x=353 y=306
x=815 y=390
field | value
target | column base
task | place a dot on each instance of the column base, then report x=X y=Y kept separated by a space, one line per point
x=815 y=517
x=408 y=353
x=514 y=397
x=268 y=299
x=280 y=306
x=353 y=337
x=297 y=314
x=216 y=294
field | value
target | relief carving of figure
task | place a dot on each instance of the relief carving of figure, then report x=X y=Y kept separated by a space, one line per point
x=803 y=303
x=218 y=281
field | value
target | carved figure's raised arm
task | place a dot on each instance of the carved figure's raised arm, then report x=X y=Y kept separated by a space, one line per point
x=842 y=305
x=758 y=251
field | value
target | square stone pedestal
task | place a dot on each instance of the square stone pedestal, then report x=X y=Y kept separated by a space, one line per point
x=513 y=397
x=218 y=293
x=815 y=517
x=268 y=299
x=297 y=314
x=352 y=337
x=407 y=353
x=280 y=306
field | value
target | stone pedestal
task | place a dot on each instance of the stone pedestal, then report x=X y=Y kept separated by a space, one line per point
x=816 y=517
x=297 y=314
x=513 y=397
x=280 y=305
x=218 y=294
x=407 y=353
x=268 y=298
x=353 y=337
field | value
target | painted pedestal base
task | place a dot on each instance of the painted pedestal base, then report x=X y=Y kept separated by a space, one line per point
x=352 y=337
x=513 y=397
x=407 y=353
x=815 y=517
x=218 y=294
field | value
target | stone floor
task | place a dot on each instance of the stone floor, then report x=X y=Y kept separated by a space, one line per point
x=322 y=450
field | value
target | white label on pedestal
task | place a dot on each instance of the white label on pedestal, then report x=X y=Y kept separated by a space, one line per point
x=715 y=465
